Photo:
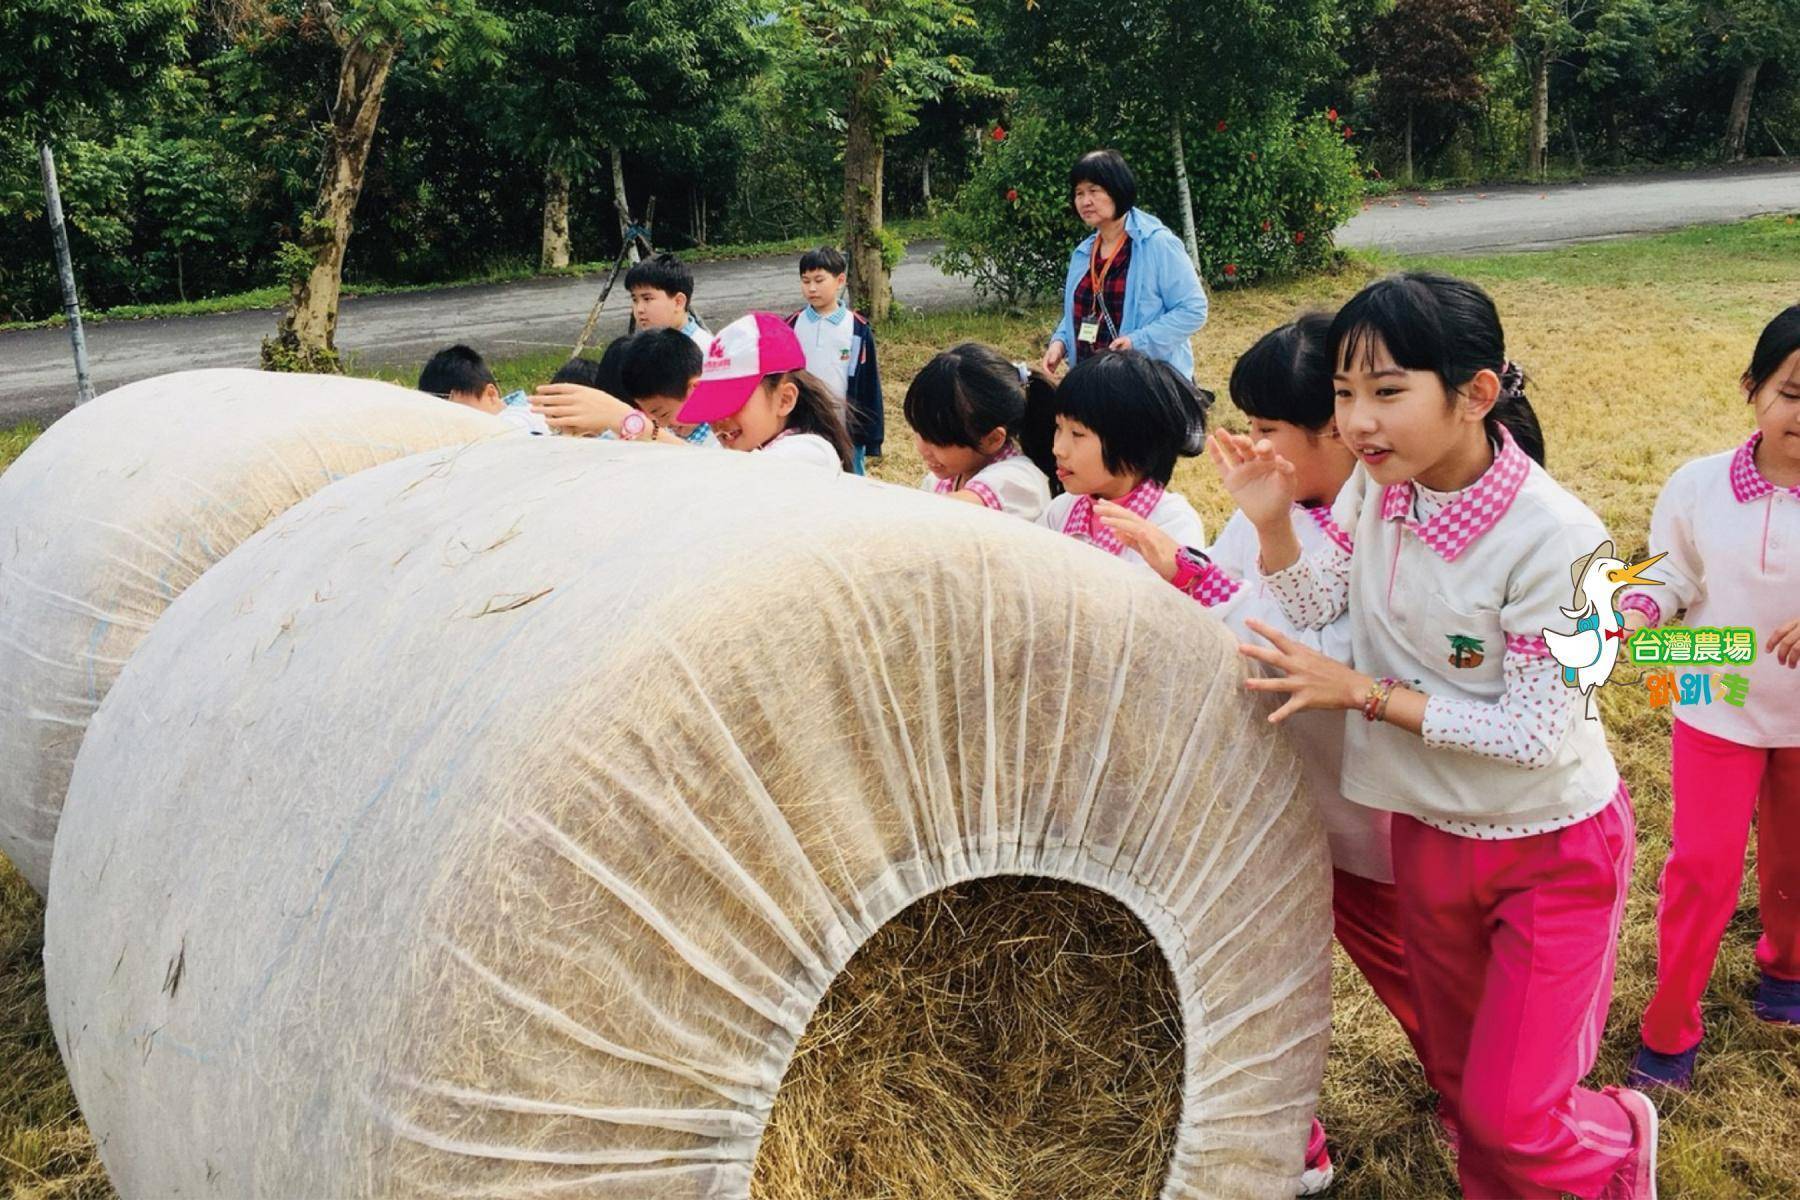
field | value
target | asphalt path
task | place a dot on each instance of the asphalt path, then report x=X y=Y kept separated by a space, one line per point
x=37 y=375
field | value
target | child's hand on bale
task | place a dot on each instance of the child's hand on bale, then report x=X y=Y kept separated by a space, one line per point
x=1148 y=539
x=582 y=411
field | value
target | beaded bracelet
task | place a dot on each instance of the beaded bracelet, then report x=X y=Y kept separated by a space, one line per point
x=1375 y=704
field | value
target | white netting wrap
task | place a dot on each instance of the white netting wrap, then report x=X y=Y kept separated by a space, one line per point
x=123 y=503
x=491 y=824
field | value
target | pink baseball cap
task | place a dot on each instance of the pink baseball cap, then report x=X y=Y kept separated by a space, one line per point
x=753 y=346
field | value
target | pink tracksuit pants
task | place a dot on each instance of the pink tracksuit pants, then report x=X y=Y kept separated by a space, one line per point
x=1511 y=947
x=1719 y=786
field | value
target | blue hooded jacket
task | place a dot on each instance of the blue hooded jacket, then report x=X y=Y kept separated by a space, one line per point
x=1164 y=302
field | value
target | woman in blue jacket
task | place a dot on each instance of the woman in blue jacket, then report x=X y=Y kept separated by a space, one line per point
x=1131 y=285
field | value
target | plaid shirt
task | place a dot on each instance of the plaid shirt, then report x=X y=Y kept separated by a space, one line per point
x=1112 y=292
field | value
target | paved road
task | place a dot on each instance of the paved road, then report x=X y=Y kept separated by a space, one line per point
x=36 y=377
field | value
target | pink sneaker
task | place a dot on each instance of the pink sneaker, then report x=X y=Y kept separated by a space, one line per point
x=1317 y=1176
x=1636 y=1178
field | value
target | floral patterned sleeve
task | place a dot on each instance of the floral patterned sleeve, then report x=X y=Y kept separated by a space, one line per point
x=1524 y=728
x=1315 y=590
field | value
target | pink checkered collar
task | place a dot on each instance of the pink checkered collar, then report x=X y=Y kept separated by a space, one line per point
x=1082 y=523
x=946 y=486
x=1747 y=483
x=1322 y=518
x=1451 y=530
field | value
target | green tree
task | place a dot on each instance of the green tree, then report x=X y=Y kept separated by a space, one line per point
x=868 y=66
x=368 y=36
x=1749 y=34
x=586 y=81
x=1173 y=66
x=1432 y=57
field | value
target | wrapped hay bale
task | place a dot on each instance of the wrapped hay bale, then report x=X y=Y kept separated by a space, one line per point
x=493 y=823
x=122 y=504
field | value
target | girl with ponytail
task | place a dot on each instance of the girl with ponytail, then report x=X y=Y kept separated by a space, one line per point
x=983 y=425
x=1512 y=833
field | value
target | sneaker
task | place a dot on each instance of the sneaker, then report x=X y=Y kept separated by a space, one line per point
x=1652 y=1068
x=1636 y=1177
x=1777 y=1000
x=1316 y=1179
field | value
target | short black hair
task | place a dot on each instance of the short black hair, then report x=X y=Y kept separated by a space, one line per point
x=1144 y=412
x=1780 y=338
x=824 y=258
x=1287 y=376
x=585 y=371
x=1106 y=169
x=968 y=391
x=665 y=273
x=455 y=368
x=659 y=362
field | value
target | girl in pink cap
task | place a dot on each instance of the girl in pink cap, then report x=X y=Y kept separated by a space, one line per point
x=753 y=389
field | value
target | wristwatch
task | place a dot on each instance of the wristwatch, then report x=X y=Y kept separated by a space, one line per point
x=1189 y=565
x=634 y=425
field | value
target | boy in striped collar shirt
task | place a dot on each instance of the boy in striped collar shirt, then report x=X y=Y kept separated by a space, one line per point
x=840 y=348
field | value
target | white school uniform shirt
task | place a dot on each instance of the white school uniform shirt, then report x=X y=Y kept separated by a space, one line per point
x=830 y=345
x=1012 y=483
x=698 y=335
x=519 y=416
x=1453 y=600
x=1733 y=559
x=1168 y=511
x=802 y=447
x=1360 y=837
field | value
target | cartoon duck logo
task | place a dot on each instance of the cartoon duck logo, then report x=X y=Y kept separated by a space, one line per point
x=1589 y=654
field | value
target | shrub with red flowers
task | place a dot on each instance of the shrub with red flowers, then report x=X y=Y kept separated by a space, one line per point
x=1267 y=196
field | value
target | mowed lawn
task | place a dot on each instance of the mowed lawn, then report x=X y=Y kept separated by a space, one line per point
x=1633 y=349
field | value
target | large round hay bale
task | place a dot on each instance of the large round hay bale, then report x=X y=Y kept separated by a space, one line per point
x=122 y=504
x=493 y=824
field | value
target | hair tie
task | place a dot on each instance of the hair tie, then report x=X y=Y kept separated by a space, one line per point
x=1512 y=381
x=1024 y=370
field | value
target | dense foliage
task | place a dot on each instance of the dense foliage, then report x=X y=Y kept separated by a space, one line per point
x=190 y=139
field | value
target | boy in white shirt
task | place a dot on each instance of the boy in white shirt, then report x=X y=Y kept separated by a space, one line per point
x=661 y=289
x=840 y=348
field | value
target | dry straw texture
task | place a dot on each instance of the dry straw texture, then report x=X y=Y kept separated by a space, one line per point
x=447 y=840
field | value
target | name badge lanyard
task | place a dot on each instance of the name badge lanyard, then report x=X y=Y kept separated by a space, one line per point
x=1098 y=270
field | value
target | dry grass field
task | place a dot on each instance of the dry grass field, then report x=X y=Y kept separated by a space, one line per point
x=1633 y=349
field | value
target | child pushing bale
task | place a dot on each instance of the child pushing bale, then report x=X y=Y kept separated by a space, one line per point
x=122 y=504
x=494 y=823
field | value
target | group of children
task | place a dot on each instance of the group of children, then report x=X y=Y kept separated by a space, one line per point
x=1398 y=552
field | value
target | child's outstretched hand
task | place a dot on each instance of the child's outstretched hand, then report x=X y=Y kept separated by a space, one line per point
x=572 y=408
x=1148 y=539
x=1310 y=679
x=1784 y=644
x=1260 y=480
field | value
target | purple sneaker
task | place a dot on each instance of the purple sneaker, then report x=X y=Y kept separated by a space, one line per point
x=1653 y=1069
x=1777 y=1000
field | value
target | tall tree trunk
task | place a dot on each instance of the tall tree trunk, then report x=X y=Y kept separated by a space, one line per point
x=1183 y=193
x=1739 y=123
x=863 y=154
x=1407 y=173
x=925 y=180
x=307 y=339
x=1540 y=115
x=621 y=205
x=65 y=272
x=554 y=252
